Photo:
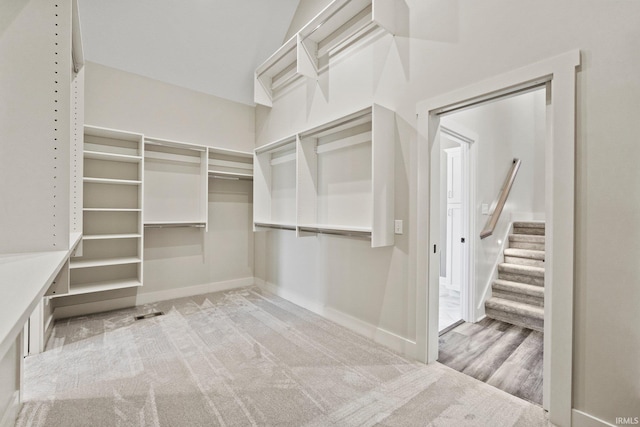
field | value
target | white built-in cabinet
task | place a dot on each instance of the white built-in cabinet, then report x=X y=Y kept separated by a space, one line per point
x=112 y=238
x=132 y=183
x=340 y=25
x=337 y=178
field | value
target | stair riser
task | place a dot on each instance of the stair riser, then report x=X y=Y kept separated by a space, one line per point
x=527 y=299
x=515 y=319
x=529 y=231
x=522 y=278
x=523 y=261
x=527 y=245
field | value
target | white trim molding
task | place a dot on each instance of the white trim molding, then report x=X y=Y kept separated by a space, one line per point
x=149 y=297
x=381 y=336
x=10 y=413
x=582 y=419
x=558 y=74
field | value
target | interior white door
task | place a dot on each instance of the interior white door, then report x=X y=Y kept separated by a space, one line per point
x=455 y=229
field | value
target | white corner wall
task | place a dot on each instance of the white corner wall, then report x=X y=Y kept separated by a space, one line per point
x=454 y=44
x=121 y=100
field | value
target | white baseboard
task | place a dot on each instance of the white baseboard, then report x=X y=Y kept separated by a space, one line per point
x=582 y=419
x=381 y=336
x=149 y=297
x=10 y=413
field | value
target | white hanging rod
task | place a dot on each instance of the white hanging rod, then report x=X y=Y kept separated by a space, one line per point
x=344 y=142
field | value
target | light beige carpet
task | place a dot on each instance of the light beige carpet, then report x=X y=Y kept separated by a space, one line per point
x=243 y=358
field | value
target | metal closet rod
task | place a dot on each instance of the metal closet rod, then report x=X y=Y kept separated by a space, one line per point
x=168 y=225
x=347 y=233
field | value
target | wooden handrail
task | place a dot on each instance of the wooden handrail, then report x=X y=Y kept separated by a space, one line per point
x=502 y=199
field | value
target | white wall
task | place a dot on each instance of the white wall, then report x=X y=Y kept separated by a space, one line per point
x=454 y=44
x=122 y=100
x=177 y=258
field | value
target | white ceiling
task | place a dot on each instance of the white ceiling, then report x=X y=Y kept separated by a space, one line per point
x=211 y=46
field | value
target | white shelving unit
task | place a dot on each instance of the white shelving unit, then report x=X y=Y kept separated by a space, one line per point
x=274 y=185
x=276 y=72
x=337 y=179
x=112 y=241
x=176 y=184
x=340 y=25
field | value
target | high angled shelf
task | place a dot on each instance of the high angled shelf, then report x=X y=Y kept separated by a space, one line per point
x=276 y=72
x=346 y=177
x=112 y=242
x=338 y=26
x=274 y=185
x=341 y=24
x=176 y=184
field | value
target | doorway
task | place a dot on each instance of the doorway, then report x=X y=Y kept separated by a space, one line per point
x=559 y=75
x=457 y=196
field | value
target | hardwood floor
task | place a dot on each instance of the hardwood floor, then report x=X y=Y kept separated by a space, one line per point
x=505 y=356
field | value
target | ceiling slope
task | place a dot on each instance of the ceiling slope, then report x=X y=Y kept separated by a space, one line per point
x=211 y=46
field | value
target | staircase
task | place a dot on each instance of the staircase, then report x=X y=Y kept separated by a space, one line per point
x=518 y=292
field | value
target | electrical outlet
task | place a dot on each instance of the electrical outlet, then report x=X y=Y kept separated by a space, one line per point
x=398 y=228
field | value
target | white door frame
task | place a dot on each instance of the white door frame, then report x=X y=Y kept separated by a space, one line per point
x=559 y=74
x=468 y=142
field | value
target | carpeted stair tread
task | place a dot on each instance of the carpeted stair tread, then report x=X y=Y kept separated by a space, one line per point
x=528 y=238
x=525 y=270
x=515 y=308
x=520 y=288
x=529 y=231
x=529 y=224
x=524 y=253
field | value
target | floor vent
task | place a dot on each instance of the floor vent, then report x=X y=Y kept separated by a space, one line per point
x=149 y=315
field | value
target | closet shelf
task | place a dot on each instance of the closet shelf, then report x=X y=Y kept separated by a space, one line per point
x=99 y=155
x=109 y=285
x=88 y=263
x=111 y=210
x=229 y=175
x=91 y=180
x=277 y=71
x=110 y=236
x=341 y=24
x=338 y=26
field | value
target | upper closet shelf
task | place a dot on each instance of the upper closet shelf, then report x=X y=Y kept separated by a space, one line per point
x=230 y=164
x=341 y=24
x=277 y=71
